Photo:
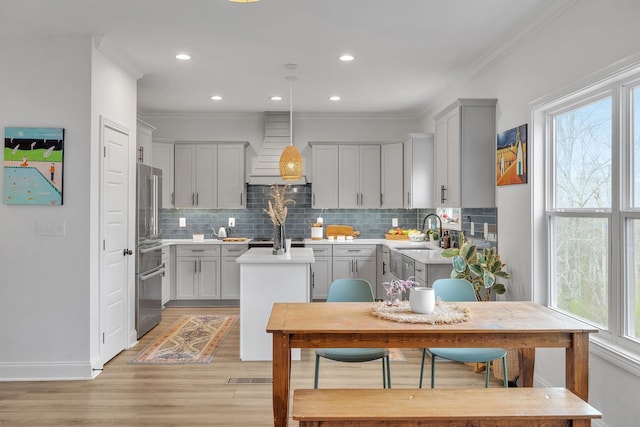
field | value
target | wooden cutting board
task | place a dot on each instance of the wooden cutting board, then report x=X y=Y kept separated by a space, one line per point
x=341 y=230
x=235 y=239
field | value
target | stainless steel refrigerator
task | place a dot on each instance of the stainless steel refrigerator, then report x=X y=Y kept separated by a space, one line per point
x=149 y=266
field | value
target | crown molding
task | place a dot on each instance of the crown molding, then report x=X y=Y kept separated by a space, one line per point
x=261 y=115
x=519 y=34
x=119 y=57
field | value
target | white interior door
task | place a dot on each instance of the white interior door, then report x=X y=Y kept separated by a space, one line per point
x=115 y=230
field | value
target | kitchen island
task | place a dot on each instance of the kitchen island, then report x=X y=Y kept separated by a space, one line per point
x=264 y=280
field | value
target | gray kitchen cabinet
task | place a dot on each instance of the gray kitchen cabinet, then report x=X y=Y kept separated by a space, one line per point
x=195 y=175
x=168 y=271
x=384 y=270
x=359 y=176
x=465 y=143
x=324 y=184
x=197 y=272
x=144 y=133
x=426 y=274
x=357 y=261
x=418 y=171
x=231 y=176
x=391 y=176
x=163 y=159
x=321 y=271
x=230 y=269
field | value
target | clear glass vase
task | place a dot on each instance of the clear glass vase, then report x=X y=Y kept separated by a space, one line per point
x=278 y=240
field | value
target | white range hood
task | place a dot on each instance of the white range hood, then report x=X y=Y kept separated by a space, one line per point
x=266 y=168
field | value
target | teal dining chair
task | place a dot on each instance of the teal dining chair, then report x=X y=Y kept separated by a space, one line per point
x=353 y=290
x=461 y=290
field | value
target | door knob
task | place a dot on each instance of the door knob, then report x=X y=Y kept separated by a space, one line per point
x=127 y=252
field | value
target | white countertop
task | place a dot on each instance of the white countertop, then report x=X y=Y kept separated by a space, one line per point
x=265 y=256
x=200 y=242
x=404 y=246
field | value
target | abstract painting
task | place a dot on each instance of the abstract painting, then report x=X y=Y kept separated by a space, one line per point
x=511 y=156
x=33 y=164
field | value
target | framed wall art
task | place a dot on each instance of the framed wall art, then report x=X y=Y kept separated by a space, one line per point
x=33 y=165
x=511 y=156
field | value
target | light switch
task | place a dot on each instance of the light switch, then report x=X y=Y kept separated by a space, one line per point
x=232 y=222
x=183 y=222
x=472 y=228
x=394 y=222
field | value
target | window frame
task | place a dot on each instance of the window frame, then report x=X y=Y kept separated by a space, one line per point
x=613 y=343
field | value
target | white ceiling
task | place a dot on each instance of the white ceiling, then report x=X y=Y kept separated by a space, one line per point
x=406 y=51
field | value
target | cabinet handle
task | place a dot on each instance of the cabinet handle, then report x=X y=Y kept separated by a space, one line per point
x=197 y=199
x=241 y=199
x=384 y=264
x=313 y=280
x=354 y=250
x=195 y=266
x=408 y=198
x=193 y=199
x=356 y=266
x=381 y=199
x=313 y=197
x=357 y=199
x=199 y=266
x=352 y=266
x=442 y=190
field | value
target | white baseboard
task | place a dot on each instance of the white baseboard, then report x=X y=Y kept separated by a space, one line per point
x=46 y=371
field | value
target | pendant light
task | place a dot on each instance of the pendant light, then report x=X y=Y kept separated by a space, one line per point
x=291 y=160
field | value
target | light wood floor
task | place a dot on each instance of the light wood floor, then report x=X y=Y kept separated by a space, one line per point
x=195 y=395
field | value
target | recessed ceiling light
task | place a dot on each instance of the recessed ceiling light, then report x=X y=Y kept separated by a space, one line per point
x=275 y=98
x=216 y=98
x=334 y=98
x=346 y=57
x=183 y=56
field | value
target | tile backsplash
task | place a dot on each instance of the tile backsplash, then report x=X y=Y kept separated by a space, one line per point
x=254 y=222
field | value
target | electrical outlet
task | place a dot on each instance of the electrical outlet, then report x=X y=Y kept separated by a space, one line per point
x=183 y=222
x=394 y=222
x=232 y=222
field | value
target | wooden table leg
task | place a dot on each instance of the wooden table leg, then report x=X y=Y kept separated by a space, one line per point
x=281 y=377
x=577 y=366
x=527 y=361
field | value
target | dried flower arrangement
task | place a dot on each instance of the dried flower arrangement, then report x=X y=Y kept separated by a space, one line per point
x=277 y=210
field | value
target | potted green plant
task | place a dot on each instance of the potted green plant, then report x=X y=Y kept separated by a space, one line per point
x=482 y=269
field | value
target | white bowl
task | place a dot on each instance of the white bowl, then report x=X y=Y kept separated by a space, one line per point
x=416 y=237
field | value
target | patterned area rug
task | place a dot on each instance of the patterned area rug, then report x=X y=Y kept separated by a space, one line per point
x=192 y=339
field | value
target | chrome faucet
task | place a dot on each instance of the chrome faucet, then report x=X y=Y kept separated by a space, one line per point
x=424 y=221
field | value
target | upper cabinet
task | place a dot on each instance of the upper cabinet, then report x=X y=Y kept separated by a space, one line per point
x=418 y=152
x=359 y=176
x=209 y=175
x=391 y=177
x=163 y=159
x=324 y=162
x=144 y=133
x=465 y=144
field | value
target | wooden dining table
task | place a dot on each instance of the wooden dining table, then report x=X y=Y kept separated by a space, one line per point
x=519 y=325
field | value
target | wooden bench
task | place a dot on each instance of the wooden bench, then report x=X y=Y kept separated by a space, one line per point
x=495 y=407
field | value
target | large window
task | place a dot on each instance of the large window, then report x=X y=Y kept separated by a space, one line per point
x=593 y=208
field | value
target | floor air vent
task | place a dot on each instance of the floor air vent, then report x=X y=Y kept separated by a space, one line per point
x=250 y=380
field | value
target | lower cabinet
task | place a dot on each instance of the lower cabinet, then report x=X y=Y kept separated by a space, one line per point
x=168 y=271
x=198 y=272
x=357 y=261
x=321 y=271
x=426 y=274
x=230 y=270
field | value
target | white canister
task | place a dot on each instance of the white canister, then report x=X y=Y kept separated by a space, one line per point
x=422 y=300
x=316 y=233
